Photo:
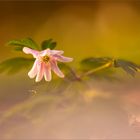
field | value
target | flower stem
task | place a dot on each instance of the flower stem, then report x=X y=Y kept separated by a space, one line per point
x=73 y=72
x=78 y=77
x=96 y=69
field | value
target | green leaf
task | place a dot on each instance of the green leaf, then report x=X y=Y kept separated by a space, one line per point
x=48 y=44
x=19 y=44
x=128 y=66
x=14 y=65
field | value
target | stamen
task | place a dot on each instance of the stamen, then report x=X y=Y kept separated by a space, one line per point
x=45 y=58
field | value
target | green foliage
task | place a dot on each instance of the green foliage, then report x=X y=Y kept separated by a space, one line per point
x=48 y=44
x=14 y=65
x=26 y=42
x=128 y=66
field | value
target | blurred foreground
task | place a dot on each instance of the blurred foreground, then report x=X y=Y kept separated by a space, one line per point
x=79 y=110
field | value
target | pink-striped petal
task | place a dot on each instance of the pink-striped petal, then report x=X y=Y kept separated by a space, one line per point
x=47 y=72
x=32 y=73
x=31 y=51
x=63 y=58
x=40 y=72
x=56 y=69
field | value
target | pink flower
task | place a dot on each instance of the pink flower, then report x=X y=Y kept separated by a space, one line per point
x=46 y=61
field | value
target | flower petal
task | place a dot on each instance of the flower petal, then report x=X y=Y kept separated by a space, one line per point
x=53 y=52
x=40 y=72
x=56 y=69
x=30 y=51
x=47 y=72
x=32 y=73
x=45 y=52
x=63 y=58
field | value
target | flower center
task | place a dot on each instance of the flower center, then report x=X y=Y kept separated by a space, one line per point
x=45 y=58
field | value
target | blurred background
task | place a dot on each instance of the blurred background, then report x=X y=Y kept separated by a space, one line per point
x=95 y=109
